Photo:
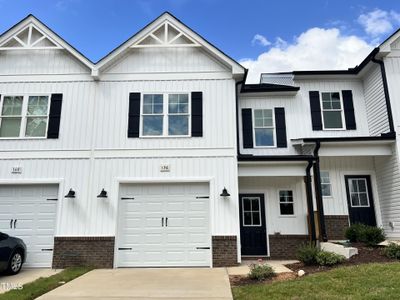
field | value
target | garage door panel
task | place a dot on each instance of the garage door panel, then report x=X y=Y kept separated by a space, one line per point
x=160 y=245
x=36 y=219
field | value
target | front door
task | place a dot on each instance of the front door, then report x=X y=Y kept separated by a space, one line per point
x=359 y=199
x=253 y=233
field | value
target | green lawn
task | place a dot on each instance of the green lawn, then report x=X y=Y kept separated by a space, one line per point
x=43 y=285
x=369 y=281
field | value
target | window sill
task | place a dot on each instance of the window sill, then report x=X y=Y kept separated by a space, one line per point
x=287 y=216
x=21 y=138
x=165 y=137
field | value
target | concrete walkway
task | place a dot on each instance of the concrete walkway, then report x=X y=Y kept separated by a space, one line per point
x=182 y=283
x=8 y=282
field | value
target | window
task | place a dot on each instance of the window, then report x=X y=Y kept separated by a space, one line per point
x=178 y=114
x=165 y=115
x=325 y=184
x=332 y=110
x=24 y=116
x=264 y=129
x=359 y=192
x=286 y=203
x=251 y=211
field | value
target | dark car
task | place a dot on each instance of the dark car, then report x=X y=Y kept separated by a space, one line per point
x=12 y=254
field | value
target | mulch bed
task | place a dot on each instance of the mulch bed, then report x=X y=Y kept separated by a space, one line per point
x=238 y=280
x=365 y=255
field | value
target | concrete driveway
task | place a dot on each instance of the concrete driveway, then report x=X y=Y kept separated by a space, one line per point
x=8 y=282
x=179 y=283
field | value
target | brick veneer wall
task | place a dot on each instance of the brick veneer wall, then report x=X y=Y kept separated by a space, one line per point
x=336 y=226
x=224 y=250
x=92 y=251
x=284 y=246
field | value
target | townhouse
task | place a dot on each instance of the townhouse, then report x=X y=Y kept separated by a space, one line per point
x=160 y=155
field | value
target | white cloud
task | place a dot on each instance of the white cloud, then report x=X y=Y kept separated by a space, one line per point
x=260 y=40
x=377 y=22
x=314 y=49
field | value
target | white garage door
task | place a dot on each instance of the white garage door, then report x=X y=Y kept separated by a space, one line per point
x=29 y=212
x=164 y=225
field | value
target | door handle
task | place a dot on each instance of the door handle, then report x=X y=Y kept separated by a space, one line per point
x=162 y=222
x=11 y=221
x=166 y=222
x=15 y=223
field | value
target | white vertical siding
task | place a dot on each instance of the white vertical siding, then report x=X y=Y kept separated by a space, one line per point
x=270 y=187
x=171 y=60
x=39 y=62
x=388 y=181
x=338 y=167
x=375 y=102
x=298 y=114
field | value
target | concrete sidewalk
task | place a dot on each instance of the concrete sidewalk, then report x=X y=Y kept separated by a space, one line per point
x=179 y=283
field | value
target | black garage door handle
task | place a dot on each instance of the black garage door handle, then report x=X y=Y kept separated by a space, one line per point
x=47 y=249
x=202 y=248
x=124 y=248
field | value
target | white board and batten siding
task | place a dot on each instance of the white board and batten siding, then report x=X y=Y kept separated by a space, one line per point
x=270 y=187
x=298 y=114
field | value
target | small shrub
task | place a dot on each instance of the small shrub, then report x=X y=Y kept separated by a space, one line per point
x=307 y=253
x=392 y=251
x=374 y=235
x=369 y=235
x=355 y=233
x=261 y=272
x=324 y=258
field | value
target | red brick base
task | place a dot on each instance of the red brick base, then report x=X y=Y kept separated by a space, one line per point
x=224 y=248
x=336 y=227
x=283 y=246
x=91 y=251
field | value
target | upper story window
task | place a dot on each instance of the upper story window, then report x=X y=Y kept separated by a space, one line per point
x=325 y=184
x=24 y=116
x=165 y=115
x=264 y=128
x=332 y=110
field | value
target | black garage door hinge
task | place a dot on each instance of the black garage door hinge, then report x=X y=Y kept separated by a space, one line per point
x=124 y=248
x=52 y=199
x=202 y=197
x=202 y=248
x=127 y=198
x=47 y=249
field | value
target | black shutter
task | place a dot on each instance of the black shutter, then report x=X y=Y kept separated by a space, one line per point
x=54 y=116
x=349 y=109
x=247 y=124
x=197 y=113
x=280 y=126
x=134 y=115
x=315 y=110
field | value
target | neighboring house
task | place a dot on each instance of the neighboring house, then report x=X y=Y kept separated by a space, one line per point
x=159 y=155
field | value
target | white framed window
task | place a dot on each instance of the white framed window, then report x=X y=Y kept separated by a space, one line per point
x=264 y=127
x=359 y=192
x=251 y=211
x=326 y=184
x=286 y=203
x=332 y=111
x=165 y=115
x=24 y=116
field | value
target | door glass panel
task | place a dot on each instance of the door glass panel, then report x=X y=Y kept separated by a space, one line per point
x=247 y=218
x=251 y=211
x=358 y=192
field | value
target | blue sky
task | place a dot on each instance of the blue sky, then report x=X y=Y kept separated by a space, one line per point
x=246 y=30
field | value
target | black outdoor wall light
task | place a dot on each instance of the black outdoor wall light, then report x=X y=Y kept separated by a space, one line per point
x=225 y=193
x=103 y=194
x=71 y=194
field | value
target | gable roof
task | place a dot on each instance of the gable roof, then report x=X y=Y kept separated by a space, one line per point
x=54 y=39
x=168 y=18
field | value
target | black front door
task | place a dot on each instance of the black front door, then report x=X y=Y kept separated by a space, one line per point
x=360 y=200
x=253 y=234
